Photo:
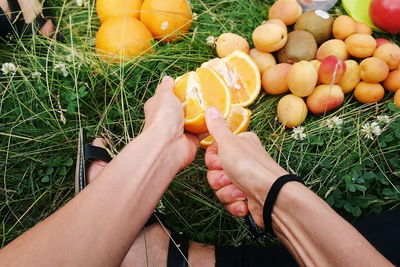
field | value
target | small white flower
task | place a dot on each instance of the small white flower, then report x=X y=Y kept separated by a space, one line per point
x=79 y=2
x=70 y=58
x=36 y=75
x=195 y=16
x=62 y=68
x=383 y=119
x=298 y=133
x=211 y=40
x=370 y=130
x=334 y=123
x=8 y=68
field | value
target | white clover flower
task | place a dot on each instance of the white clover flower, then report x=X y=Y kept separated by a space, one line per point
x=36 y=75
x=370 y=130
x=195 y=16
x=298 y=133
x=79 y=2
x=383 y=119
x=334 y=123
x=62 y=68
x=8 y=68
x=211 y=40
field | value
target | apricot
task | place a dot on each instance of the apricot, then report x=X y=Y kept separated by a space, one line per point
x=343 y=27
x=263 y=60
x=275 y=79
x=369 y=92
x=373 y=70
x=333 y=47
x=228 y=43
x=269 y=37
x=397 y=98
x=331 y=70
x=277 y=22
x=381 y=41
x=351 y=77
x=302 y=78
x=392 y=82
x=362 y=27
x=360 y=45
x=292 y=111
x=287 y=11
x=390 y=53
x=316 y=63
x=325 y=98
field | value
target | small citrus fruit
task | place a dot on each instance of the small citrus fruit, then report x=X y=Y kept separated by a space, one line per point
x=198 y=91
x=369 y=92
x=117 y=8
x=241 y=74
x=238 y=121
x=123 y=37
x=167 y=20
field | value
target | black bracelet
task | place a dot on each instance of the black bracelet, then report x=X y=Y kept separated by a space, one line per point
x=272 y=196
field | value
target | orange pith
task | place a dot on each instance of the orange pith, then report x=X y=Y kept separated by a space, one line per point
x=199 y=90
x=238 y=121
x=242 y=76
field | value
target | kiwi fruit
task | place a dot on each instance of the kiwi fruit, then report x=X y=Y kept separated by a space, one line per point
x=317 y=22
x=300 y=45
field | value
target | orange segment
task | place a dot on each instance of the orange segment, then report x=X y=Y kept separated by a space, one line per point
x=199 y=90
x=238 y=121
x=241 y=74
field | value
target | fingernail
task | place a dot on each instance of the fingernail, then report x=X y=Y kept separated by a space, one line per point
x=224 y=180
x=237 y=194
x=240 y=210
x=213 y=113
x=166 y=79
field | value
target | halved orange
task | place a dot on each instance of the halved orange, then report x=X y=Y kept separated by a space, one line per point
x=199 y=90
x=238 y=121
x=241 y=74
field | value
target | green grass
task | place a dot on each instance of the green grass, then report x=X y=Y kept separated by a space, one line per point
x=355 y=175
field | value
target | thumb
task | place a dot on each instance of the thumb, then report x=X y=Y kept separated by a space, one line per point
x=167 y=85
x=216 y=125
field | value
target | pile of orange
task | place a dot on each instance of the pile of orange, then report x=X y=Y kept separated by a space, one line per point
x=229 y=84
x=130 y=26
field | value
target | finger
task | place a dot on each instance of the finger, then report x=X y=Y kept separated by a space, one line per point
x=218 y=179
x=217 y=125
x=167 y=85
x=212 y=158
x=252 y=137
x=96 y=166
x=229 y=194
x=238 y=208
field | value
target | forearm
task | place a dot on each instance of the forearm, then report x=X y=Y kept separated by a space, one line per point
x=105 y=217
x=316 y=235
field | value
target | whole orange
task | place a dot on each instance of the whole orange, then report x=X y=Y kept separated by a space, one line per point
x=116 y=8
x=166 y=19
x=369 y=92
x=123 y=37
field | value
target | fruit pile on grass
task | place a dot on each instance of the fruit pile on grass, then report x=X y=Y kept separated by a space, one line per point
x=58 y=87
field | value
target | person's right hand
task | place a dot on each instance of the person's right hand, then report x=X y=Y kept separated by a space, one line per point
x=239 y=168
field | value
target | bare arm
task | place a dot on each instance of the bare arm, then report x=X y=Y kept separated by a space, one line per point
x=314 y=233
x=108 y=214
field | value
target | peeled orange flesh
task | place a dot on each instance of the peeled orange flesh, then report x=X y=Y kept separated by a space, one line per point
x=199 y=90
x=123 y=37
x=238 y=121
x=167 y=20
x=117 y=8
x=241 y=74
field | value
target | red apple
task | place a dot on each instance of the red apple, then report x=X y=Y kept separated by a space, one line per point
x=381 y=41
x=386 y=15
x=331 y=70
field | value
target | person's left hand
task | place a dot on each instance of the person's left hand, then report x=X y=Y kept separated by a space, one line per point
x=164 y=114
